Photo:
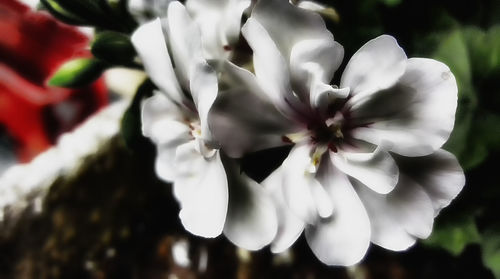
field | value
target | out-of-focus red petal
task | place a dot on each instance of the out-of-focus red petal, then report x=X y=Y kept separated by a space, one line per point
x=32 y=47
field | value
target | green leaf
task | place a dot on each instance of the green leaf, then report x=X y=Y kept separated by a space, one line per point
x=454 y=236
x=96 y=13
x=62 y=14
x=473 y=56
x=77 y=73
x=391 y=3
x=484 y=48
x=113 y=47
x=131 y=122
x=453 y=51
x=120 y=9
x=491 y=250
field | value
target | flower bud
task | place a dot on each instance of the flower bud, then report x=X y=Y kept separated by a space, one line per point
x=77 y=72
x=113 y=47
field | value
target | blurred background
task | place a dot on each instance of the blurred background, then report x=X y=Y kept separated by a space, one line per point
x=109 y=217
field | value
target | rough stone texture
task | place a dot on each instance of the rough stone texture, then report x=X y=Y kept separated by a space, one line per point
x=114 y=219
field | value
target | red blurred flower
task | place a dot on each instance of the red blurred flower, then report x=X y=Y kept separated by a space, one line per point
x=32 y=47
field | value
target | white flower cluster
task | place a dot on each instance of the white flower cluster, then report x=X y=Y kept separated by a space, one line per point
x=365 y=163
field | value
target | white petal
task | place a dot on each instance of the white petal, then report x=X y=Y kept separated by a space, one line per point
x=399 y=217
x=144 y=10
x=184 y=41
x=168 y=135
x=151 y=46
x=271 y=69
x=289 y=225
x=417 y=114
x=243 y=119
x=375 y=66
x=287 y=25
x=251 y=221
x=232 y=20
x=302 y=191
x=201 y=188
x=204 y=89
x=439 y=174
x=343 y=238
x=219 y=22
x=312 y=65
x=164 y=163
x=161 y=122
x=304 y=43
x=311 y=6
x=377 y=170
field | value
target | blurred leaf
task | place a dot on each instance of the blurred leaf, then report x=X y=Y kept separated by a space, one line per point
x=62 y=14
x=77 y=72
x=120 y=9
x=131 y=130
x=97 y=13
x=113 y=47
x=454 y=236
x=491 y=250
x=472 y=55
x=391 y=3
x=330 y=14
x=453 y=51
x=484 y=49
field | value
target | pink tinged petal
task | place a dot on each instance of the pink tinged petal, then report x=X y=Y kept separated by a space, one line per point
x=377 y=169
x=271 y=68
x=312 y=65
x=417 y=114
x=251 y=221
x=151 y=46
x=289 y=225
x=375 y=66
x=439 y=174
x=343 y=238
x=302 y=191
x=399 y=217
x=233 y=118
x=204 y=88
x=201 y=188
x=184 y=42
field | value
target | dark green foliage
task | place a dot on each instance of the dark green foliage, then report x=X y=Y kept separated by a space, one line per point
x=114 y=48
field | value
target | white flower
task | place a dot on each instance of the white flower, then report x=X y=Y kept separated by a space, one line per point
x=366 y=164
x=219 y=21
x=220 y=24
x=213 y=196
x=145 y=10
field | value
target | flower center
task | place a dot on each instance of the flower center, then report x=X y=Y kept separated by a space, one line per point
x=195 y=128
x=328 y=133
